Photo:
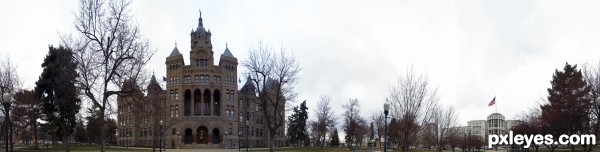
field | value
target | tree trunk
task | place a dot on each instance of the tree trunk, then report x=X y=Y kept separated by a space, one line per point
x=66 y=137
x=271 y=140
x=103 y=132
x=35 y=137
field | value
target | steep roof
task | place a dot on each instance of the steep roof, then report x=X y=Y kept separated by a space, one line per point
x=153 y=80
x=200 y=24
x=227 y=52
x=248 y=82
x=175 y=51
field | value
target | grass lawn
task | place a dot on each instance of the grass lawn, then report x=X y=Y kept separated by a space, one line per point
x=77 y=148
x=318 y=149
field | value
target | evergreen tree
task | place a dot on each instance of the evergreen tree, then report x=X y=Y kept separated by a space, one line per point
x=335 y=139
x=297 y=124
x=568 y=109
x=80 y=133
x=56 y=87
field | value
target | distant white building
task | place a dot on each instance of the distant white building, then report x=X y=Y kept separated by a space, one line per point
x=495 y=124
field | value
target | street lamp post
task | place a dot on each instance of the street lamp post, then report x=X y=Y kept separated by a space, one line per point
x=6 y=104
x=386 y=109
x=467 y=132
x=160 y=143
x=465 y=147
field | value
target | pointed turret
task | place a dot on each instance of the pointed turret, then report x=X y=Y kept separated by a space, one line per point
x=153 y=80
x=200 y=24
x=227 y=52
x=248 y=82
x=175 y=51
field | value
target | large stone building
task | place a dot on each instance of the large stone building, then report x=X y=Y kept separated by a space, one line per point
x=201 y=106
x=494 y=125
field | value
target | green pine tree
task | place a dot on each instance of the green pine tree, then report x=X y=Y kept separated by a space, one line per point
x=335 y=139
x=568 y=109
x=56 y=88
x=297 y=124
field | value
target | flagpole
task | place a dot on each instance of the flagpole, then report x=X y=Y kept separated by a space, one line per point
x=496 y=105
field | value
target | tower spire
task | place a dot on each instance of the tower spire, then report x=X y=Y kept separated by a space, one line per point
x=200 y=18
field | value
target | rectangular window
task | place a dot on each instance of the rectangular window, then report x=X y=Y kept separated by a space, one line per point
x=176 y=94
x=176 y=111
x=201 y=62
x=229 y=130
x=207 y=78
x=187 y=79
x=217 y=79
x=172 y=95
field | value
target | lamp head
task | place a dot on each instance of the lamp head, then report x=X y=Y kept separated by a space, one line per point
x=161 y=122
x=6 y=97
x=386 y=106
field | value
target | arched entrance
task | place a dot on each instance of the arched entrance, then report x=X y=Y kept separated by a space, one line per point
x=187 y=139
x=202 y=135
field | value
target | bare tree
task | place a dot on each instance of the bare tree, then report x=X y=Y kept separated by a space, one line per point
x=325 y=119
x=444 y=120
x=378 y=121
x=9 y=83
x=591 y=74
x=354 y=125
x=9 y=79
x=274 y=74
x=412 y=102
x=110 y=50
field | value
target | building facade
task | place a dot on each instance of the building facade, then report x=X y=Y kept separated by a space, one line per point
x=495 y=124
x=201 y=106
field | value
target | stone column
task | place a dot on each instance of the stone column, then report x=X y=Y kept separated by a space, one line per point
x=212 y=104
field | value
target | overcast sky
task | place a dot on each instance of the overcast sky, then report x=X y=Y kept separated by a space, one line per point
x=471 y=50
